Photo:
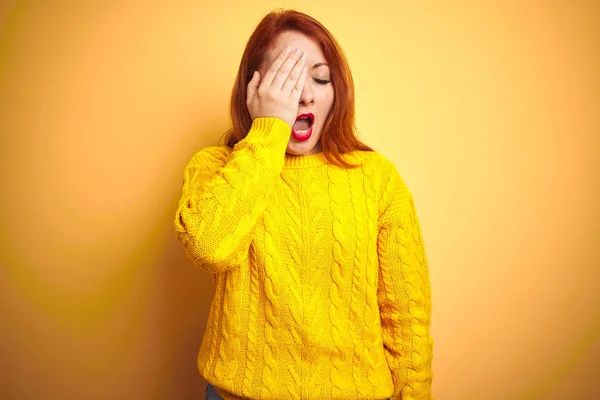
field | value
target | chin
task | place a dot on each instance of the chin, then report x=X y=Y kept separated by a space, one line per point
x=299 y=149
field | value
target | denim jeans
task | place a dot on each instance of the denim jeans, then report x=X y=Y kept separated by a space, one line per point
x=211 y=393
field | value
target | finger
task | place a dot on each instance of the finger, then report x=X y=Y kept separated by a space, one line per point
x=295 y=74
x=253 y=84
x=299 y=86
x=285 y=69
x=275 y=65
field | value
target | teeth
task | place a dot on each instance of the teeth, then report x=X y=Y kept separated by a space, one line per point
x=302 y=132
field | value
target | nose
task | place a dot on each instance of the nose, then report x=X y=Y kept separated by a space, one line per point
x=306 y=97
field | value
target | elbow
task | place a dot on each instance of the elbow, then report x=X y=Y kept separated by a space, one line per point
x=210 y=263
x=206 y=251
x=206 y=258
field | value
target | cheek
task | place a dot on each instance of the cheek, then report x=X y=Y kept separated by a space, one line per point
x=329 y=93
x=328 y=100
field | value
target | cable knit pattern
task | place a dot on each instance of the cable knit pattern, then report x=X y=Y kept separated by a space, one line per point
x=295 y=287
x=322 y=280
x=227 y=365
x=316 y=212
x=252 y=332
x=358 y=284
x=214 y=319
x=336 y=295
x=270 y=377
x=372 y=335
x=406 y=292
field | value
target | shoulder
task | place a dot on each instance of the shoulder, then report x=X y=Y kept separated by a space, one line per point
x=210 y=157
x=385 y=177
x=376 y=163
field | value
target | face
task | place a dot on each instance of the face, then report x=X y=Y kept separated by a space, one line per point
x=317 y=96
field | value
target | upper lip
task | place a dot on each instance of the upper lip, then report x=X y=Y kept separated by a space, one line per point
x=307 y=115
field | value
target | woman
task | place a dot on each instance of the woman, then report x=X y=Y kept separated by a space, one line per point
x=312 y=238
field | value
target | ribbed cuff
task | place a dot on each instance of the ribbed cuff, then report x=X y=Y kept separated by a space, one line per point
x=270 y=132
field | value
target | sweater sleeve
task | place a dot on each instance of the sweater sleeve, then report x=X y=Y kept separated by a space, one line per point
x=225 y=194
x=404 y=292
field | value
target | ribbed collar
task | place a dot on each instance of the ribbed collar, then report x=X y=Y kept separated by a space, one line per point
x=312 y=160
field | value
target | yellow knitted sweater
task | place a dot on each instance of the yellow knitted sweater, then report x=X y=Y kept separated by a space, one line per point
x=322 y=282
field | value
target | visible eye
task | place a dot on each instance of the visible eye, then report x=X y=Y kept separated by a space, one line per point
x=321 y=81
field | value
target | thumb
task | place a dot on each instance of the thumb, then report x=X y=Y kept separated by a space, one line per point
x=253 y=84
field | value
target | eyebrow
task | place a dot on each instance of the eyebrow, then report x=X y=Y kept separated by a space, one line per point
x=320 y=64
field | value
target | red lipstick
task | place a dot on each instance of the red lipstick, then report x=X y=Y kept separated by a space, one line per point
x=301 y=137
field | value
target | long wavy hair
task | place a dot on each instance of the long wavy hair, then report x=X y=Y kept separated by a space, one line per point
x=339 y=130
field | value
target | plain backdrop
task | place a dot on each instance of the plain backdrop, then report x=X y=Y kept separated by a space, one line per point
x=488 y=109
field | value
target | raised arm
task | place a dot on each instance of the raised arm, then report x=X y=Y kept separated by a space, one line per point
x=225 y=194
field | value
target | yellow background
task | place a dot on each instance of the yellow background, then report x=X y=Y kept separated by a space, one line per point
x=488 y=109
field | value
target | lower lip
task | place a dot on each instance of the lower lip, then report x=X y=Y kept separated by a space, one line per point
x=302 y=138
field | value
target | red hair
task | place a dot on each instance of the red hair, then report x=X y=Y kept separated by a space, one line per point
x=339 y=131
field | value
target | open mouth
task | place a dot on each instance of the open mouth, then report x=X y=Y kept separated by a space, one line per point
x=303 y=123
